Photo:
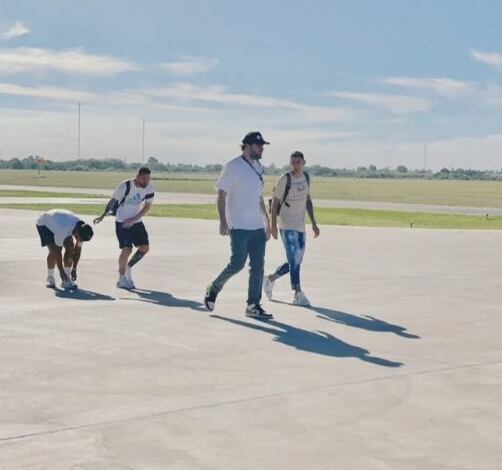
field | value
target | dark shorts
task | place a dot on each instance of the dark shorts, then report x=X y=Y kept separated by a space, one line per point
x=136 y=235
x=46 y=236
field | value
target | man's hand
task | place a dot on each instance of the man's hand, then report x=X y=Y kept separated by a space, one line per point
x=73 y=275
x=223 y=228
x=97 y=220
x=275 y=232
x=129 y=223
x=316 y=230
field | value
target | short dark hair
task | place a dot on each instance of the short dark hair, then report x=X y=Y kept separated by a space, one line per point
x=144 y=170
x=297 y=154
x=85 y=231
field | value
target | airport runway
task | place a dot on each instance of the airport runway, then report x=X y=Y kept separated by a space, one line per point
x=398 y=364
x=192 y=198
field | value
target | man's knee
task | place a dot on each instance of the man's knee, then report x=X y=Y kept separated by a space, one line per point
x=144 y=249
x=127 y=250
x=237 y=264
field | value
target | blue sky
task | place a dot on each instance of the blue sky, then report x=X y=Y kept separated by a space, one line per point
x=348 y=82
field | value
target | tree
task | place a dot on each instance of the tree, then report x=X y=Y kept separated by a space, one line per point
x=402 y=169
x=15 y=164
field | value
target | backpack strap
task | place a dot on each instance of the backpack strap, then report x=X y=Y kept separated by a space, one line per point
x=307 y=177
x=286 y=190
x=127 y=191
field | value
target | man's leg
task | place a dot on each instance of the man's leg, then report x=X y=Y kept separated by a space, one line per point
x=138 y=256
x=47 y=239
x=296 y=248
x=291 y=240
x=125 y=245
x=238 y=244
x=68 y=256
x=279 y=272
x=139 y=237
x=51 y=261
x=51 y=265
x=256 y=249
x=124 y=256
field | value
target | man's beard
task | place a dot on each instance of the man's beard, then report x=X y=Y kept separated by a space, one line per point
x=255 y=156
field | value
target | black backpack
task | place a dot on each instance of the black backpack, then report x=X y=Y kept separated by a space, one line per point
x=115 y=208
x=286 y=192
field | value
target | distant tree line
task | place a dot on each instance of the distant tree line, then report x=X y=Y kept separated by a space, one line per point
x=34 y=162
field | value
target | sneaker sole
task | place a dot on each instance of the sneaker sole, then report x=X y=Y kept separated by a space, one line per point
x=123 y=287
x=259 y=317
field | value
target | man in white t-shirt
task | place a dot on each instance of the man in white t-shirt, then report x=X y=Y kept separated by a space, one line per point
x=243 y=216
x=57 y=229
x=290 y=204
x=130 y=202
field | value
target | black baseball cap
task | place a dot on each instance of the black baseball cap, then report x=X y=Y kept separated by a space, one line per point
x=254 y=138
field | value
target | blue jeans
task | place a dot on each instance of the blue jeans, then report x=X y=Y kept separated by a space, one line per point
x=294 y=243
x=244 y=243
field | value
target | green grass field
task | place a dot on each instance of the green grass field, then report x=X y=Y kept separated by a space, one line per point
x=43 y=194
x=325 y=216
x=450 y=193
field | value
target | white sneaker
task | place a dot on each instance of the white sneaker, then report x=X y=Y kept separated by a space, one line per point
x=268 y=287
x=51 y=282
x=68 y=285
x=301 y=299
x=124 y=283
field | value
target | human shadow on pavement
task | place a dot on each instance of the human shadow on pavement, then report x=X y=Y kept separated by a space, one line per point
x=81 y=294
x=166 y=299
x=365 y=322
x=316 y=342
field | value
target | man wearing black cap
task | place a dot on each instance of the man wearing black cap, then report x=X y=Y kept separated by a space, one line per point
x=57 y=228
x=243 y=216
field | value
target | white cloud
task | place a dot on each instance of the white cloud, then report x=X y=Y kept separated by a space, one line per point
x=443 y=86
x=17 y=30
x=490 y=58
x=55 y=93
x=25 y=60
x=398 y=104
x=188 y=66
x=219 y=95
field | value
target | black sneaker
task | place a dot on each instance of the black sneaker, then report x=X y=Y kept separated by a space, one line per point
x=210 y=299
x=256 y=311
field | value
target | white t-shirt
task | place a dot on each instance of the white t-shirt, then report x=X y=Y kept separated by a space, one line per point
x=293 y=217
x=60 y=222
x=244 y=189
x=134 y=201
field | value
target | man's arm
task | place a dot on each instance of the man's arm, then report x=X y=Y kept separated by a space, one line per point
x=144 y=210
x=310 y=212
x=77 y=251
x=108 y=208
x=275 y=210
x=221 y=203
x=265 y=217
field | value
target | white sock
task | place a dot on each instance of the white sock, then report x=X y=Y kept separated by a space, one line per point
x=50 y=272
x=67 y=272
x=128 y=273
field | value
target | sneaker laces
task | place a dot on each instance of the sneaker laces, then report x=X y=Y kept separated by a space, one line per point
x=259 y=309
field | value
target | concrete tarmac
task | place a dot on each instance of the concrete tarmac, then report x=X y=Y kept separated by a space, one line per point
x=398 y=364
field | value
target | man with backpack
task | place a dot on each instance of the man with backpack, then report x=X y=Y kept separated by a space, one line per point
x=291 y=201
x=130 y=202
